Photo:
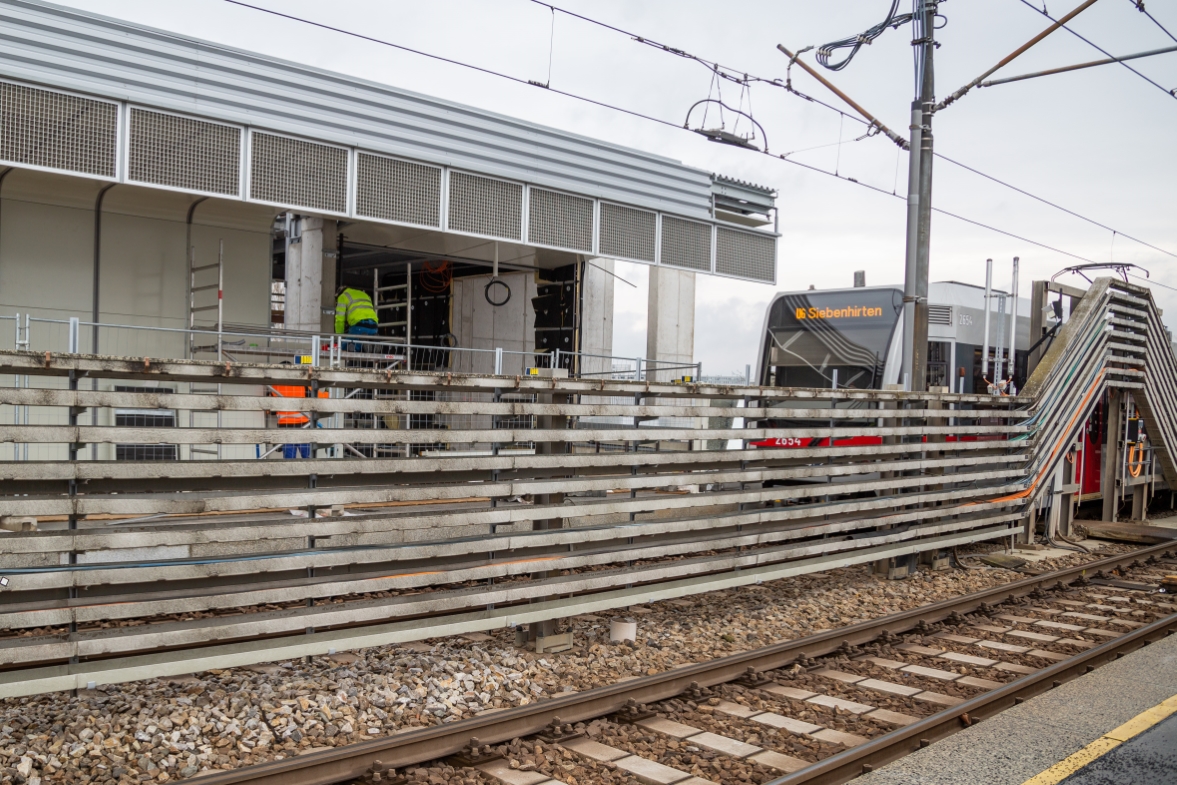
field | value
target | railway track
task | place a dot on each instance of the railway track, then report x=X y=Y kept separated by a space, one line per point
x=819 y=709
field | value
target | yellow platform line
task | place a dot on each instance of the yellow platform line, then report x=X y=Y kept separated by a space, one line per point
x=1105 y=743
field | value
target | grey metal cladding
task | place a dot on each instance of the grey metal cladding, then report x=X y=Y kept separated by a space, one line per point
x=58 y=131
x=77 y=50
x=180 y=152
x=685 y=244
x=485 y=206
x=745 y=254
x=390 y=189
x=560 y=220
x=627 y=233
x=298 y=173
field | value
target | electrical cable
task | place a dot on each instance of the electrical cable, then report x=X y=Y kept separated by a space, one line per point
x=471 y=66
x=729 y=72
x=640 y=115
x=1023 y=192
x=855 y=43
x=1152 y=282
x=1106 y=53
x=436 y=276
x=1140 y=7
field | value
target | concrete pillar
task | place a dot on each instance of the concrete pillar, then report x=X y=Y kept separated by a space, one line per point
x=670 y=325
x=596 y=324
x=310 y=276
x=543 y=632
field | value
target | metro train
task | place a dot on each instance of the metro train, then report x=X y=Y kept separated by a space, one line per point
x=852 y=338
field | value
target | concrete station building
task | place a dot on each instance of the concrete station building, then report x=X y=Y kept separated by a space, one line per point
x=141 y=167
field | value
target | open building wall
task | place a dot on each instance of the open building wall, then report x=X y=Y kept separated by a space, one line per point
x=47 y=263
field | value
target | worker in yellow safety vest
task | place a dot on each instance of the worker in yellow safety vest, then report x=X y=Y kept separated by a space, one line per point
x=354 y=313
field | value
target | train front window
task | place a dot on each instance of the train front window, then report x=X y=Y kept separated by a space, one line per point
x=813 y=334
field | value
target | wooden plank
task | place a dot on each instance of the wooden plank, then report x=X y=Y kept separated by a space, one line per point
x=121 y=640
x=49 y=364
x=1129 y=532
x=34 y=680
x=95 y=504
x=150 y=504
x=372 y=530
x=505 y=462
x=156 y=602
x=146 y=399
x=88 y=434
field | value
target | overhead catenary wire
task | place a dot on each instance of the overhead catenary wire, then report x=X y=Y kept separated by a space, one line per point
x=1049 y=203
x=1152 y=282
x=719 y=70
x=1140 y=7
x=1106 y=53
x=640 y=115
x=451 y=61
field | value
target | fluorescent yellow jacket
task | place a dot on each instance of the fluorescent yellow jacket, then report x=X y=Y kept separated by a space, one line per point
x=351 y=307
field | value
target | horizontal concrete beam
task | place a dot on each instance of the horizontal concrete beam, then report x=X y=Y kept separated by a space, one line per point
x=32 y=681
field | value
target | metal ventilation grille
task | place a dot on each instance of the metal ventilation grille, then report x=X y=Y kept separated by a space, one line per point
x=686 y=244
x=184 y=153
x=394 y=190
x=57 y=131
x=560 y=220
x=745 y=255
x=940 y=314
x=480 y=205
x=294 y=172
x=626 y=233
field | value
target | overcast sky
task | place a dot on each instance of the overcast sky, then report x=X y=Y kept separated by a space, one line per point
x=1100 y=142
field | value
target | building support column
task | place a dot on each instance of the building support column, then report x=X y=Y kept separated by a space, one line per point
x=310 y=275
x=596 y=322
x=670 y=326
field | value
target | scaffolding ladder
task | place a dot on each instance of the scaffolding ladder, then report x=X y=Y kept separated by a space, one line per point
x=385 y=298
x=206 y=316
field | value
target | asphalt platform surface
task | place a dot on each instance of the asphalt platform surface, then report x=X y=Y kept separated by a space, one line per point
x=1029 y=738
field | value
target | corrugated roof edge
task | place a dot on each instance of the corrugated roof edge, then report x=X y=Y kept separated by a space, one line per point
x=744 y=183
x=342 y=77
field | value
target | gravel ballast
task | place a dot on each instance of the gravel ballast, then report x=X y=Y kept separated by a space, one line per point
x=165 y=729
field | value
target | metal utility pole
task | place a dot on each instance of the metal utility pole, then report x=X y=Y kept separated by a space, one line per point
x=919 y=202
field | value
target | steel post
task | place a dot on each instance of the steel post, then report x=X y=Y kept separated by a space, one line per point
x=1013 y=329
x=912 y=259
x=919 y=356
x=988 y=303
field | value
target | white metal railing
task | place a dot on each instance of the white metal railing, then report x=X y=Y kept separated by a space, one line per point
x=73 y=335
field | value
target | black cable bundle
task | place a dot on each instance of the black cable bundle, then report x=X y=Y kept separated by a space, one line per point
x=857 y=42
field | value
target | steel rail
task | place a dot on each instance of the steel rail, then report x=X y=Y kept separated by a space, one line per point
x=881 y=750
x=341 y=763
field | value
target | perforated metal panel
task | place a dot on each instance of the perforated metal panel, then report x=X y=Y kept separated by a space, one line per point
x=184 y=153
x=299 y=173
x=940 y=314
x=395 y=190
x=480 y=205
x=627 y=233
x=560 y=220
x=686 y=244
x=58 y=131
x=745 y=255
